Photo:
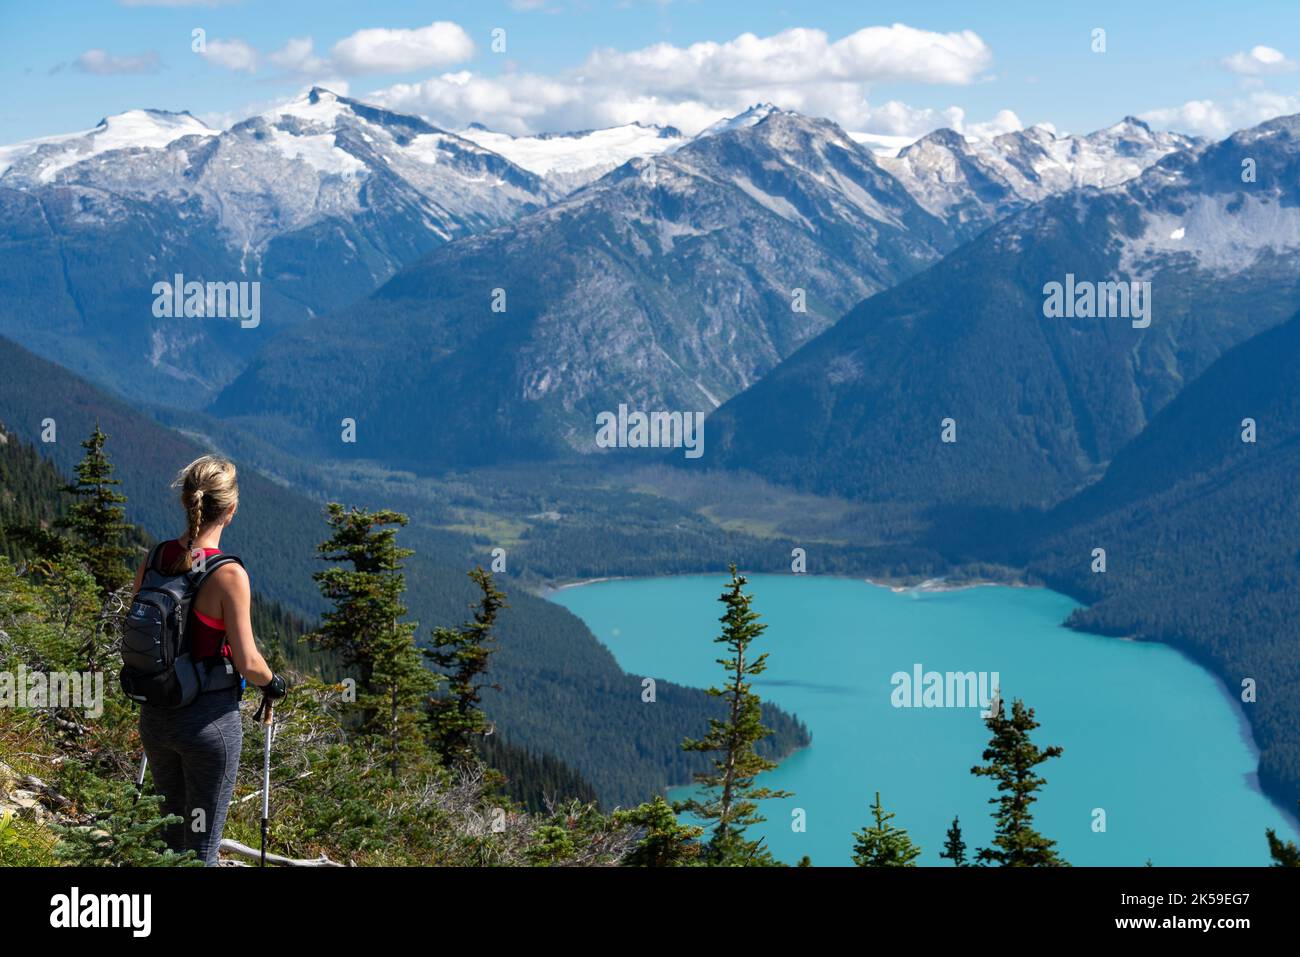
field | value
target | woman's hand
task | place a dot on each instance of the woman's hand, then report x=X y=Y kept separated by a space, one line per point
x=275 y=689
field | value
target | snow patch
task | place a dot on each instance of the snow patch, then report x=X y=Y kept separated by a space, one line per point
x=1218 y=240
x=317 y=151
x=578 y=158
x=134 y=129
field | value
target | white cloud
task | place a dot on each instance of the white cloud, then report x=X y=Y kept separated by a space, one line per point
x=895 y=118
x=1217 y=120
x=234 y=55
x=1259 y=61
x=801 y=56
x=401 y=51
x=103 y=63
x=366 y=51
x=690 y=87
x=1005 y=121
x=297 y=56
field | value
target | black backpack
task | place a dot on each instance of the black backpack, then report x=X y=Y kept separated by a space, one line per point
x=156 y=666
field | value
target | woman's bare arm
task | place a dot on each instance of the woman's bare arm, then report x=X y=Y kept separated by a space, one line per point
x=231 y=584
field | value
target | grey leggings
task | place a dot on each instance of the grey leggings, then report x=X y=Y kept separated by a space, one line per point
x=194 y=755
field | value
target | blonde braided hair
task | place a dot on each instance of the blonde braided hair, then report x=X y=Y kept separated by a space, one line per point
x=208 y=487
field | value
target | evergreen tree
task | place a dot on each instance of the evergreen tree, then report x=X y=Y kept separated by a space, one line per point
x=664 y=842
x=1284 y=854
x=365 y=630
x=460 y=655
x=126 y=830
x=954 y=848
x=1011 y=758
x=883 y=844
x=731 y=801
x=96 y=518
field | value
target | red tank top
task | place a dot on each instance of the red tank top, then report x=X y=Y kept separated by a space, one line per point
x=207 y=635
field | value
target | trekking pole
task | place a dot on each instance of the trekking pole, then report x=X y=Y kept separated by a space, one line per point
x=266 y=773
x=139 y=778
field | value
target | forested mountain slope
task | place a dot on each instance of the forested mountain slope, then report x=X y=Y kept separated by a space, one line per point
x=1202 y=538
x=561 y=691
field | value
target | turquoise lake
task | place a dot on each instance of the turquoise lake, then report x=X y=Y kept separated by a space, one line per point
x=1148 y=736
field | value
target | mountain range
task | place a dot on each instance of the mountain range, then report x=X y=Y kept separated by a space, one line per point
x=774 y=228
x=974 y=183
x=324 y=199
x=777 y=223
x=319 y=201
x=1040 y=404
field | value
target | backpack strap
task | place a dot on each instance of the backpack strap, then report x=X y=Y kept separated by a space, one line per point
x=151 y=563
x=198 y=576
x=194 y=580
x=208 y=679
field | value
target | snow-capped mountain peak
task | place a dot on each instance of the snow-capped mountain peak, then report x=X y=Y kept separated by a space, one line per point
x=979 y=181
x=39 y=160
x=1038 y=162
x=570 y=160
x=317 y=105
x=379 y=187
x=750 y=117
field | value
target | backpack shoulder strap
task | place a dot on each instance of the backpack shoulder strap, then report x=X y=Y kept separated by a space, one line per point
x=197 y=577
x=194 y=580
x=151 y=563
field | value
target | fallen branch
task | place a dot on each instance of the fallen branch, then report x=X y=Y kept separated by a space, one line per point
x=234 y=847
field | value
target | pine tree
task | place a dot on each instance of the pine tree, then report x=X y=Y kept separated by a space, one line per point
x=732 y=799
x=954 y=848
x=1011 y=758
x=125 y=830
x=96 y=518
x=665 y=842
x=1284 y=854
x=460 y=655
x=365 y=629
x=883 y=844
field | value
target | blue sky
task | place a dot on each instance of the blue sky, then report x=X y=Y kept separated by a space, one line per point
x=1185 y=65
